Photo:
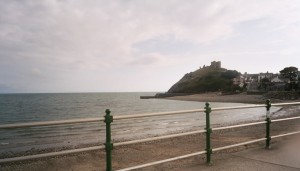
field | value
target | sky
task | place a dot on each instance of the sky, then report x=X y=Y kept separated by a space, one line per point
x=132 y=46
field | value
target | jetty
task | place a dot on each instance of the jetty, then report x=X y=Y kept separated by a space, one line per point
x=147 y=97
x=164 y=95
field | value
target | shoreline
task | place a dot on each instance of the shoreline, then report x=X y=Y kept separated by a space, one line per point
x=235 y=98
x=136 y=154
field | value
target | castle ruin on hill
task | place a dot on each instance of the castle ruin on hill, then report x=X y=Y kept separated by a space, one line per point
x=214 y=65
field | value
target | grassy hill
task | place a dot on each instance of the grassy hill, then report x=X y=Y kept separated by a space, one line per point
x=206 y=79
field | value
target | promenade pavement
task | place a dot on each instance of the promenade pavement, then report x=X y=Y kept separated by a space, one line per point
x=283 y=155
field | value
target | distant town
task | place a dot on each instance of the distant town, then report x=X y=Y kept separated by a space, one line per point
x=287 y=79
x=269 y=81
x=284 y=85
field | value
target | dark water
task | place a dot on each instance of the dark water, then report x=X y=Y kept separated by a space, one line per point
x=20 y=108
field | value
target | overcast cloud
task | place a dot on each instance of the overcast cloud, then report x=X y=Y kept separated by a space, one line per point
x=88 y=46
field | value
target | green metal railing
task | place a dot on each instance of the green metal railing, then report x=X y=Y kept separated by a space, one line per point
x=108 y=145
x=268 y=120
x=208 y=130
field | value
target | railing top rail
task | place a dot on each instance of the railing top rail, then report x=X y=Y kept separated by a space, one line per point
x=118 y=117
x=255 y=106
x=238 y=107
x=48 y=123
x=286 y=104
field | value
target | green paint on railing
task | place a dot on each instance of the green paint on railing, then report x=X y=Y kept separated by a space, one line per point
x=268 y=124
x=208 y=132
x=108 y=144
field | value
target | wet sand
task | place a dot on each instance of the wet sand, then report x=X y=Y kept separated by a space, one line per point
x=131 y=155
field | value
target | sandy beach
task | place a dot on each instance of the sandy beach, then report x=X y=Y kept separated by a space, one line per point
x=235 y=98
x=131 y=155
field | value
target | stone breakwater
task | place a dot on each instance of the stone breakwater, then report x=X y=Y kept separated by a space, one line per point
x=164 y=95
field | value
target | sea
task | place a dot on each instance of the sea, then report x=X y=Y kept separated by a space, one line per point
x=25 y=108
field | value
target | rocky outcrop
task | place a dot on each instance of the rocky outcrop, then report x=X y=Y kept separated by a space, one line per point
x=207 y=79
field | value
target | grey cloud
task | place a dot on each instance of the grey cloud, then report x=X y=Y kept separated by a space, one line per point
x=149 y=59
x=52 y=41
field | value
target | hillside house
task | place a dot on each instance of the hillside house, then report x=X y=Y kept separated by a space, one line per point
x=265 y=75
x=238 y=80
x=276 y=79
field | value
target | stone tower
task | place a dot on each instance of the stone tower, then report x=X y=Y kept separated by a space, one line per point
x=215 y=64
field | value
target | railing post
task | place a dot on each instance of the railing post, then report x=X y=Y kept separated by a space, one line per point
x=108 y=144
x=268 y=119
x=208 y=132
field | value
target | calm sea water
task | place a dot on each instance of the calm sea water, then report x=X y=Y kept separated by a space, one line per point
x=21 y=108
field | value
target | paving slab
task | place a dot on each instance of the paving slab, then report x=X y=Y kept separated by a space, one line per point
x=282 y=156
x=285 y=153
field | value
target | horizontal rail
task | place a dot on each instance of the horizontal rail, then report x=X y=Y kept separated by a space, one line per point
x=158 y=138
x=239 y=144
x=48 y=123
x=163 y=161
x=52 y=154
x=286 y=104
x=237 y=126
x=182 y=112
x=72 y=121
x=285 y=119
x=238 y=107
x=198 y=110
x=157 y=114
x=254 y=106
x=282 y=135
